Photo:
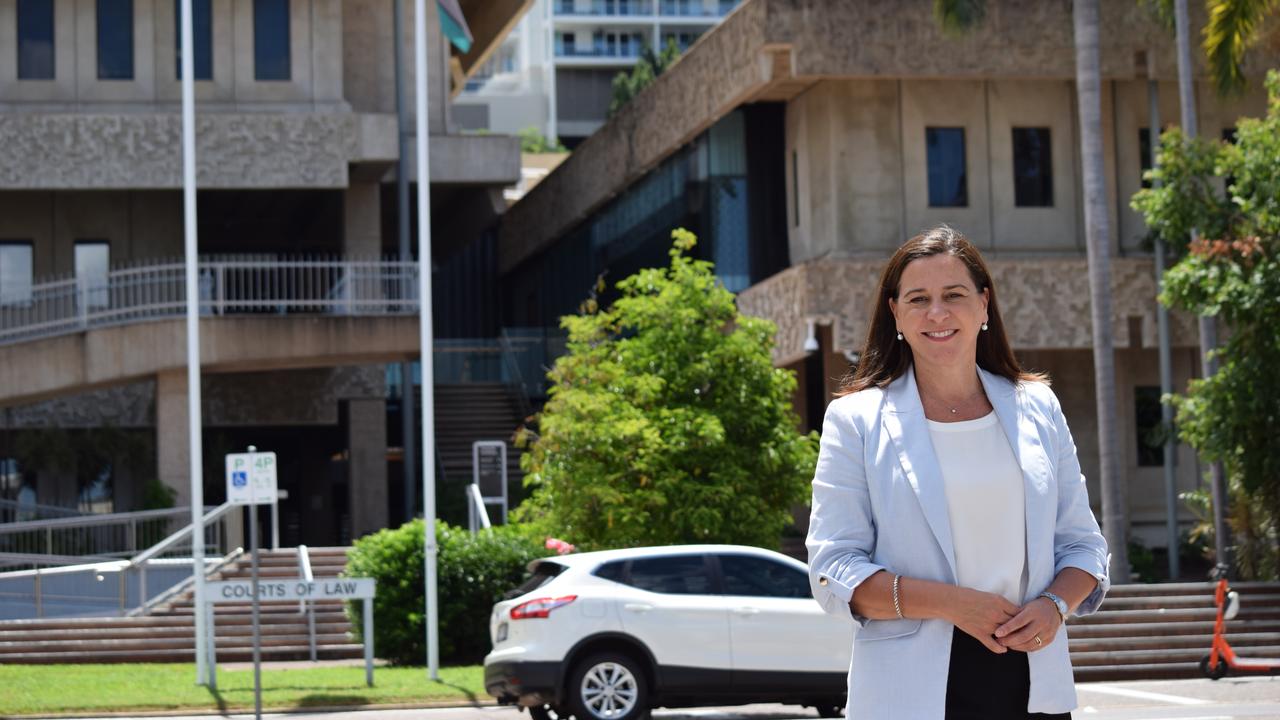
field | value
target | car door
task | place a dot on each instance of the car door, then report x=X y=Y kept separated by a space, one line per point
x=780 y=638
x=671 y=605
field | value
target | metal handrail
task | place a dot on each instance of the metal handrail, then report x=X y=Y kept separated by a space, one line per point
x=254 y=286
x=140 y=560
x=478 y=512
x=180 y=535
x=517 y=377
x=307 y=606
x=188 y=581
x=89 y=520
x=17 y=506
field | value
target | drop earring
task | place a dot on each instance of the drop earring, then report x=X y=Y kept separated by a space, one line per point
x=899 y=336
x=984 y=326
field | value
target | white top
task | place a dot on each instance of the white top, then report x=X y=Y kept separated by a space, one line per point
x=985 y=504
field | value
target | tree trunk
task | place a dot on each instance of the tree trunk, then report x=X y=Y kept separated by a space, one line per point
x=1115 y=521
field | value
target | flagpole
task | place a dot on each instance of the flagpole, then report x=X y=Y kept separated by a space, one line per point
x=195 y=450
x=425 y=343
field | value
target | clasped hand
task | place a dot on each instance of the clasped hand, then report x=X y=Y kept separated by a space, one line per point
x=1002 y=626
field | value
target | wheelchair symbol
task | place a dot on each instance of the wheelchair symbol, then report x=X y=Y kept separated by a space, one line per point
x=239 y=478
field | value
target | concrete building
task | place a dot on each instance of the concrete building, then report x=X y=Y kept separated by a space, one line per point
x=556 y=68
x=297 y=147
x=804 y=141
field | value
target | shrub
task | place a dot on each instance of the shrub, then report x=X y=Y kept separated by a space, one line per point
x=473 y=573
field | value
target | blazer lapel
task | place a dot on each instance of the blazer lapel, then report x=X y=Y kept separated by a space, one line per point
x=905 y=422
x=1010 y=405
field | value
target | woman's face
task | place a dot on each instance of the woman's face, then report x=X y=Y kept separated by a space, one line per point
x=939 y=311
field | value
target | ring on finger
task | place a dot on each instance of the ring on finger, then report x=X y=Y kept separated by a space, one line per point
x=1039 y=642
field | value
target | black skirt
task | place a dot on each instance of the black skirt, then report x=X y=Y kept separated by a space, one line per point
x=982 y=685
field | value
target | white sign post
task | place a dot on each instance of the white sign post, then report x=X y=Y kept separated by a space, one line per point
x=301 y=589
x=251 y=480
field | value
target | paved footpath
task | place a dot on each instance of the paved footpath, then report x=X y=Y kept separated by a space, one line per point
x=1228 y=699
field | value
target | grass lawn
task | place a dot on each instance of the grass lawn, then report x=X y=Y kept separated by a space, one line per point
x=49 y=689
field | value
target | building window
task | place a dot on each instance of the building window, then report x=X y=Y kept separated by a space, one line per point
x=201 y=35
x=35 y=40
x=944 y=148
x=115 y=39
x=1032 y=168
x=271 y=40
x=15 y=272
x=1150 y=425
x=93 y=261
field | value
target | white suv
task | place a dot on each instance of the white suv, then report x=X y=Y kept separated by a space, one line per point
x=609 y=635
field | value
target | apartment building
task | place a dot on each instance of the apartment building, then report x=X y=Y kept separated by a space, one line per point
x=556 y=68
x=804 y=141
x=305 y=307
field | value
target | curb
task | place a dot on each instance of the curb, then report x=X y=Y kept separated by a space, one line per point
x=239 y=710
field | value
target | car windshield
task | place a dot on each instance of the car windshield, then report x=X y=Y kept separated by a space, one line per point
x=543 y=572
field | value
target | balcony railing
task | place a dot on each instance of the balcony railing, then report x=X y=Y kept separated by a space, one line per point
x=305 y=286
x=603 y=8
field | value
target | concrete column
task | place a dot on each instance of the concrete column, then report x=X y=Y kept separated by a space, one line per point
x=362 y=221
x=172 y=451
x=367 y=464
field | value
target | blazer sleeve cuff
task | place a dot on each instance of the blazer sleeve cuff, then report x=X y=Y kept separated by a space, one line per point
x=834 y=590
x=1095 y=566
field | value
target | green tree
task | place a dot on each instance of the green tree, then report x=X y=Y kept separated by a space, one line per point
x=1232 y=272
x=1233 y=27
x=533 y=141
x=666 y=421
x=627 y=85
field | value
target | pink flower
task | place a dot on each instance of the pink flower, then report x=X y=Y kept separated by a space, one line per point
x=561 y=547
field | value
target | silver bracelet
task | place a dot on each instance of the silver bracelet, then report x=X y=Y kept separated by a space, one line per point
x=897 y=605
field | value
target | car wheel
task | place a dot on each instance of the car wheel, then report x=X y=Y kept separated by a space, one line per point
x=547 y=712
x=1214 y=673
x=831 y=709
x=608 y=686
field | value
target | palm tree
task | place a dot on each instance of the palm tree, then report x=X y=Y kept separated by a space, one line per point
x=1231 y=30
x=1115 y=515
x=957 y=16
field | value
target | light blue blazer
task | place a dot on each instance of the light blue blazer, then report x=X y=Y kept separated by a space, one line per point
x=879 y=503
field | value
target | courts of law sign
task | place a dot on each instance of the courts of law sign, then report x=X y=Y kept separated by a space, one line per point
x=325 y=589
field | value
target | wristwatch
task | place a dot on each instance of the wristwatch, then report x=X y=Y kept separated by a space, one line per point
x=1059 y=603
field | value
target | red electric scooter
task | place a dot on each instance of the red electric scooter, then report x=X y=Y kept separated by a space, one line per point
x=1221 y=658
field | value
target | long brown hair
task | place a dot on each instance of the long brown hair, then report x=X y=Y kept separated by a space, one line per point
x=884 y=358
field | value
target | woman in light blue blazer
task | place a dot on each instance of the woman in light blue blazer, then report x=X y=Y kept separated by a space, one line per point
x=950 y=519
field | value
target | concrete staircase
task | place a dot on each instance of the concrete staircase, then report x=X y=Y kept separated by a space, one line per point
x=1162 y=631
x=167 y=633
x=478 y=411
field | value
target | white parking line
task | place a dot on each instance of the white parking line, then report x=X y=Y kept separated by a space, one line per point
x=1142 y=694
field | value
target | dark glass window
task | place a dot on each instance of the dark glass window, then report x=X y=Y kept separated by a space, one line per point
x=1032 y=168
x=115 y=39
x=271 y=40
x=35 y=40
x=759 y=577
x=944 y=148
x=675 y=575
x=543 y=573
x=1144 y=152
x=1146 y=412
x=615 y=571
x=201 y=36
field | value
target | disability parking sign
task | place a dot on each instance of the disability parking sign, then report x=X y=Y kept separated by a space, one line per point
x=251 y=478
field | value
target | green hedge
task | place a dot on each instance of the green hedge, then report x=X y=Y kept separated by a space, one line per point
x=473 y=573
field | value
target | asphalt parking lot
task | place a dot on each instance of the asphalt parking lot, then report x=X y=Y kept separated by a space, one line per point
x=1255 y=698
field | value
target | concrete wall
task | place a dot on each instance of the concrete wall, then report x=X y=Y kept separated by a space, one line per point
x=315 y=38
x=859 y=149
